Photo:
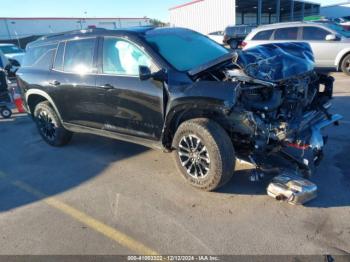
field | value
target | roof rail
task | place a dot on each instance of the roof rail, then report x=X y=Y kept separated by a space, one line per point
x=82 y=31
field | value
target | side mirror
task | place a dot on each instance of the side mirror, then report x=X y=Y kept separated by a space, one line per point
x=145 y=73
x=331 y=37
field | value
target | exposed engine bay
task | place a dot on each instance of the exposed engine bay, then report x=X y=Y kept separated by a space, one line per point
x=281 y=104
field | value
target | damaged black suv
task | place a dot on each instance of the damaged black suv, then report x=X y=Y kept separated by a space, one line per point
x=176 y=90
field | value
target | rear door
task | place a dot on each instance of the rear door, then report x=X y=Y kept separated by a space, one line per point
x=135 y=107
x=285 y=35
x=260 y=38
x=73 y=83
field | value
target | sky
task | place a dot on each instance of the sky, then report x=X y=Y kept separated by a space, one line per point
x=96 y=8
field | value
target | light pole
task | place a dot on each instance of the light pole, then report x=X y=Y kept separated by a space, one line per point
x=14 y=30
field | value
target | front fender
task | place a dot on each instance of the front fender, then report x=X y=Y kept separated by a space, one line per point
x=200 y=99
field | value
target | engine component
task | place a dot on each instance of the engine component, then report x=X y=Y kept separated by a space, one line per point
x=292 y=189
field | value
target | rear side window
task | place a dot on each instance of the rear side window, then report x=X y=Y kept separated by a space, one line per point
x=314 y=33
x=39 y=57
x=263 y=35
x=79 y=56
x=290 y=33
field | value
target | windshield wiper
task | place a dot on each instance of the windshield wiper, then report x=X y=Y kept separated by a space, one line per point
x=212 y=63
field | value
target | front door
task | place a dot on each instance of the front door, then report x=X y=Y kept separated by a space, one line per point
x=135 y=107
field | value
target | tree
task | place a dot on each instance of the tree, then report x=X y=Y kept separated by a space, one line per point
x=157 y=23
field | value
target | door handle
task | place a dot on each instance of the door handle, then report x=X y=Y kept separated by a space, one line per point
x=107 y=87
x=54 y=83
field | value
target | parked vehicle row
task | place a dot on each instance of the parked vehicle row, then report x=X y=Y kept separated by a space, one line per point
x=329 y=42
x=177 y=90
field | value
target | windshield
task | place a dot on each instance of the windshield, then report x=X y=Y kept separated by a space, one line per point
x=10 y=49
x=339 y=29
x=184 y=49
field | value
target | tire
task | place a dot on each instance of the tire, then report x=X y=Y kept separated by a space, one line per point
x=50 y=126
x=5 y=112
x=345 y=65
x=215 y=165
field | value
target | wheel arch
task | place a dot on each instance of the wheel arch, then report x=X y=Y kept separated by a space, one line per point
x=35 y=96
x=185 y=113
x=340 y=58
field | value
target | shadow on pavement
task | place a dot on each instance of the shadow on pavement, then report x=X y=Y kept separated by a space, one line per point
x=25 y=157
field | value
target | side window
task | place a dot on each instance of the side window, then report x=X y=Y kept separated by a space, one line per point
x=263 y=35
x=314 y=33
x=289 y=33
x=120 y=57
x=79 y=56
x=58 y=64
x=39 y=57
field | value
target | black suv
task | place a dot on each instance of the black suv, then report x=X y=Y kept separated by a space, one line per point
x=176 y=90
x=234 y=35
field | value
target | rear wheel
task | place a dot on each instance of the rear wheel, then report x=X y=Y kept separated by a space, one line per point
x=204 y=154
x=345 y=65
x=50 y=126
x=5 y=112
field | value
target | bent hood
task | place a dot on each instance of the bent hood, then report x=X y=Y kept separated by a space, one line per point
x=276 y=62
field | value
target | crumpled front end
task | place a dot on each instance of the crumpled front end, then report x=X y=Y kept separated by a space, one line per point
x=282 y=106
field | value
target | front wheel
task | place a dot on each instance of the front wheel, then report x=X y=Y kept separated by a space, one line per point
x=5 y=112
x=50 y=126
x=204 y=154
x=345 y=65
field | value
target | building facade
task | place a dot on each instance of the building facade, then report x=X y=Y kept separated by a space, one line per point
x=206 y=16
x=18 y=27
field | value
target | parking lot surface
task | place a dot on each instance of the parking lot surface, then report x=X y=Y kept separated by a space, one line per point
x=101 y=196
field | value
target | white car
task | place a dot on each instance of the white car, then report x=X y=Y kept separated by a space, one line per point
x=330 y=43
x=12 y=51
x=344 y=21
x=217 y=36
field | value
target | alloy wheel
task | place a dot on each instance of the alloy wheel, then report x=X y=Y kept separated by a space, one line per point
x=194 y=156
x=347 y=65
x=47 y=125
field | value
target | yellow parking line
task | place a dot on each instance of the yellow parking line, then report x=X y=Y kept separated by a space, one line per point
x=117 y=236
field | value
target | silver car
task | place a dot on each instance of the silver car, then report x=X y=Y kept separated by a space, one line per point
x=329 y=42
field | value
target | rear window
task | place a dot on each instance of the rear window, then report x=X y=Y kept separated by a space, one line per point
x=39 y=57
x=79 y=56
x=290 y=33
x=238 y=30
x=263 y=35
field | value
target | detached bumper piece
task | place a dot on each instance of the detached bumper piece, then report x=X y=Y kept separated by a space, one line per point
x=292 y=189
